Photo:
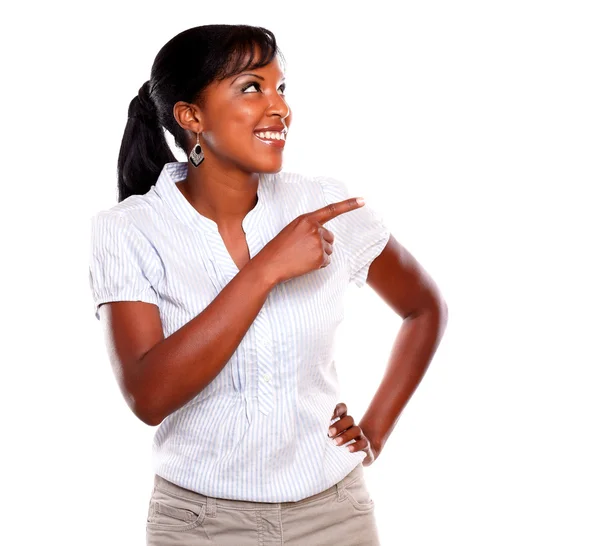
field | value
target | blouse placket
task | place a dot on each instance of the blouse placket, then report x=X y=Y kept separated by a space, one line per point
x=254 y=365
x=255 y=361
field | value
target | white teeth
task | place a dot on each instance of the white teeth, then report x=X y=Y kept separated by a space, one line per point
x=271 y=135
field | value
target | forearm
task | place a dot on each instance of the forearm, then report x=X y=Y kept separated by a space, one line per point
x=183 y=364
x=413 y=349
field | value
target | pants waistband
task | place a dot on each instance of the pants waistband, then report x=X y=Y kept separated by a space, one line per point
x=176 y=490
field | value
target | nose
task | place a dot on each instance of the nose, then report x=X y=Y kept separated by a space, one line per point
x=279 y=107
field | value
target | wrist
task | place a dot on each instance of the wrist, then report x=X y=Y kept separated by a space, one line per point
x=262 y=274
x=375 y=439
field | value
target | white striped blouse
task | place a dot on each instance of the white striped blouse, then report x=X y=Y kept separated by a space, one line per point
x=258 y=431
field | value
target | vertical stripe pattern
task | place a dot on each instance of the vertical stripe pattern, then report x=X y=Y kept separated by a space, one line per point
x=258 y=431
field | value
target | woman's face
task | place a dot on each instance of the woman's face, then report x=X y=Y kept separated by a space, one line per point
x=236 y=110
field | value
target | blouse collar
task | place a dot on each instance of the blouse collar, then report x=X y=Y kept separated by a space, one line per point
x=165 y=187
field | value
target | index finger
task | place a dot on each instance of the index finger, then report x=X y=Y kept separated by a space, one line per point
x=332 y=210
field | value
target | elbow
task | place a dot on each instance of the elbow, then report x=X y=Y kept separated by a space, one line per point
x=443 y=306
x=148 y=418
x=148 y=413
x=141 y=396
x=434 y=313
x=141 y=407
x=438 y=307
x=441 y=313
x=434 y=306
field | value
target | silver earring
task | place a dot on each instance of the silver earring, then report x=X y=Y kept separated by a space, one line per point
x=197 y=155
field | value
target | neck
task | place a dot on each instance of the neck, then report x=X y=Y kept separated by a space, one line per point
x=225 y=197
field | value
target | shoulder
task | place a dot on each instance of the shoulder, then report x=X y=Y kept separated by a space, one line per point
x=294 y=185
x=290 y=179
x=136 y=211
x=293 y=193
x=126 y=233
x=296 y=179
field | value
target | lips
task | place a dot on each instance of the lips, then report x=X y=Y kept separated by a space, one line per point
x=275 y=128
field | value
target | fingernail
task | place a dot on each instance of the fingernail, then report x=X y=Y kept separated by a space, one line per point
x=360 y=200
x=331 y=432
x=339 y=440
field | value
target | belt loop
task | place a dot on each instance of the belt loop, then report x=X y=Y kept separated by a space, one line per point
x=211 y=507
x=341 y=492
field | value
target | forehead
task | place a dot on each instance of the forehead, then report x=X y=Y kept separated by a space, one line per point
x=270 y=71
x=245 y=60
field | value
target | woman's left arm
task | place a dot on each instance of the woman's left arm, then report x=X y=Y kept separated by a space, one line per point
x=407 y=288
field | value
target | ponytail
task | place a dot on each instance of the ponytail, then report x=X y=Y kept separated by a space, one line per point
x=144 y=148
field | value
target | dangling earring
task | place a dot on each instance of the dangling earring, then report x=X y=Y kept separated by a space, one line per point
x=197 y=155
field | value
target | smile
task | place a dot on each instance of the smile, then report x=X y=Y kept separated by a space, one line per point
x=271 y=138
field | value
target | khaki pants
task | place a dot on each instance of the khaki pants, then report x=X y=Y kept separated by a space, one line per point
x=343 y=515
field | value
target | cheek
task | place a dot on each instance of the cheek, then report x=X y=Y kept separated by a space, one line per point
x=229 y=132
x=242 y=123
x=248 y=113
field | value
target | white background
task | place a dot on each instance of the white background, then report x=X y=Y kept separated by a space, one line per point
x=471 y=126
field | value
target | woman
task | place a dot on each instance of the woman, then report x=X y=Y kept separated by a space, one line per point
x=220 y=292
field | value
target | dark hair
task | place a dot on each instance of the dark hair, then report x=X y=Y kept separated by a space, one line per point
x=181 y=71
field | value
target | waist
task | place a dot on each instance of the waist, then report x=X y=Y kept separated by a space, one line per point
x=198 y=498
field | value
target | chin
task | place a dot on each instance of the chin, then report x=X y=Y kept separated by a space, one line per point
x=270 y=168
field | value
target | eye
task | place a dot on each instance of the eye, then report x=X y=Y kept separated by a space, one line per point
x=253 y=84
x=256 y=85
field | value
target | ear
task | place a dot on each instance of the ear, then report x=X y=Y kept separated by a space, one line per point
x=188 y=116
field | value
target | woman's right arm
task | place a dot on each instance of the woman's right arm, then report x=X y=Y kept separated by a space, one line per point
x=158 y=375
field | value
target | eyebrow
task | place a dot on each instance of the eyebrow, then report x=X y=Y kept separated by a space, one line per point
x=251 y=74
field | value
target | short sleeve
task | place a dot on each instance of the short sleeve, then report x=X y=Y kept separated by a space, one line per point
x=121 y=263
x=362 y=233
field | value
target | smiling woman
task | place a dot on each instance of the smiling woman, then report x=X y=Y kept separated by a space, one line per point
x=220 y=292
x=239 y=122
x=221 y=83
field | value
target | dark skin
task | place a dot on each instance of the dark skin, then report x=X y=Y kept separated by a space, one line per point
x=224 y=188
x=406 y=287
x=158 y=375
